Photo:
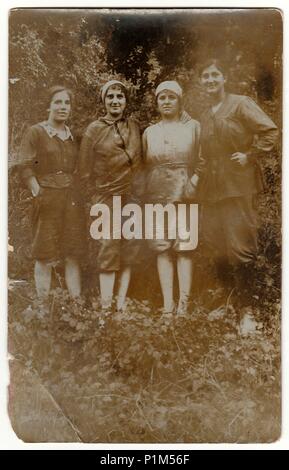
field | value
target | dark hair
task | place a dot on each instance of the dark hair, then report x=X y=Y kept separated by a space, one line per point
x=57 y=89
x=216 y=62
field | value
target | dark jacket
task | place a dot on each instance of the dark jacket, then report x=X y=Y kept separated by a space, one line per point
x=239 y=125
x=110 y=156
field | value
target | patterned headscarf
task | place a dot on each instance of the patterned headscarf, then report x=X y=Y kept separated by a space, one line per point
x=107 y=85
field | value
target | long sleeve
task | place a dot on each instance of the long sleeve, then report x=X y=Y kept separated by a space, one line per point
x=200 y=161
x=139 y=177
x=27 y=158
x=144 y=145
x=257 y=121
x=85 y=156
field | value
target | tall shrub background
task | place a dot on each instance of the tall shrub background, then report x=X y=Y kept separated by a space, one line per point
x=84 y=48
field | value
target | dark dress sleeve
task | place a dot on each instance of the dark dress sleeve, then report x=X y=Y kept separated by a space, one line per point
x=258 y=123
x=85 y=164
x=28 y=154
x=144 y=145
x=85 y=155
x=139 y=178
x=200 y=161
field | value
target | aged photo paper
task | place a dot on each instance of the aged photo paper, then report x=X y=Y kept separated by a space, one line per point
x=144 y=173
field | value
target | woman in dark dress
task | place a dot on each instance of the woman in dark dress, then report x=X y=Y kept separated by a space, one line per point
x=235 y=132
x=48 y=160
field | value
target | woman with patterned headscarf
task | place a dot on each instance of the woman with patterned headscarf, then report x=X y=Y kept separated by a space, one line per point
x=110 y=156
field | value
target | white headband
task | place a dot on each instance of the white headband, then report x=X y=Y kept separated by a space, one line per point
x=170 y=85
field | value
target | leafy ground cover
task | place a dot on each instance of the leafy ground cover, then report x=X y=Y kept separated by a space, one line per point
x=82 y=375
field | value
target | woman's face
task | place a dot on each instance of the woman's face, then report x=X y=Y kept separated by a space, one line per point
x=212 y=80
x=168 y=104
x=60 y=107
x=115 y=102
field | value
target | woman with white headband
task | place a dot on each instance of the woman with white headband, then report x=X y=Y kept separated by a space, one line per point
x=110 y=156
x=173 y=163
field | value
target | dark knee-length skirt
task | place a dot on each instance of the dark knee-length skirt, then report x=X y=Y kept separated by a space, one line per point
x=58 y=224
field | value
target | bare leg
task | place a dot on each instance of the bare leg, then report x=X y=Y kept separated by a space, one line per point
x=124 y=279
x=106 y=282
x=166 y=275
x=42 y=276
x=72 y=277
x=185 y=274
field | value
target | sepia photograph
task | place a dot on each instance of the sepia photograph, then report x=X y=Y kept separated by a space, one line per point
x=144 y=213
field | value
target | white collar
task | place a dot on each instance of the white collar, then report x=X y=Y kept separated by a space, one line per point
x=52 y=132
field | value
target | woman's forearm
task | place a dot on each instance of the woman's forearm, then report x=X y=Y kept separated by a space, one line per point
x=195 y=180
x=33 y=185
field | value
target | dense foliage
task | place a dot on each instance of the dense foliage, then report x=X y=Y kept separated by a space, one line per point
x=140 y=377
x=83 y=49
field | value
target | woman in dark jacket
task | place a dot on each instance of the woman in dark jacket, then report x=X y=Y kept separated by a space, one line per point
x=110 y=157
x=235 y=132
x=48 y=160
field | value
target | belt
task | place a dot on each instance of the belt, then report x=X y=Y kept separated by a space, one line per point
x=169 y=164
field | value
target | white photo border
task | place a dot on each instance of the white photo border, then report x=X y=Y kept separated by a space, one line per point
x=8 y=439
